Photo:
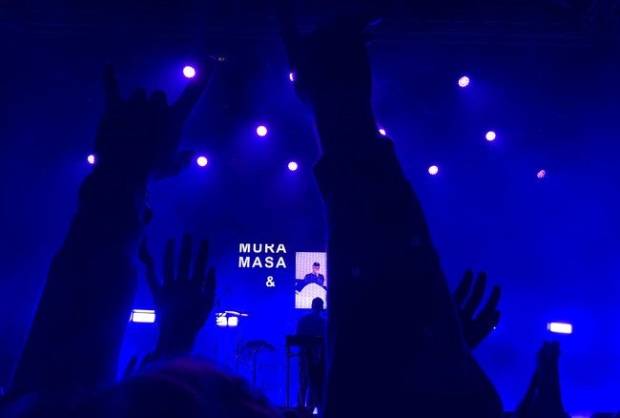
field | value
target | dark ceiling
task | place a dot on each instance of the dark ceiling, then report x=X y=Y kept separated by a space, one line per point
x=450 y=21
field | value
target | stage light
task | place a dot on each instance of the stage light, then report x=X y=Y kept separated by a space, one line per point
x=262 y=131
x=221 y=321
x=541 y=174
x=236 y=313
x=142 y=316
x=293 y=166
x=490 y=136
x=202 y=161
x=189 y=71
x=560 y=327
x=291 y=77
x=233 y=321
x=91 y=159
x=464 y=81
x=433 y=170
x=382 y=132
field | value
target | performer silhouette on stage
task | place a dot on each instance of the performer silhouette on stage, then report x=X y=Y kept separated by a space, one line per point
x=312 y=357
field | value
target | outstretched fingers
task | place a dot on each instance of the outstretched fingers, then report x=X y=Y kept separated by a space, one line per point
x=201 y=261
x=208 y=288
x=489 y=312
x=169 y=263
x=462 y=290
x=476 y=297
x=158 y=102
x=185 y=258
x=151 y=277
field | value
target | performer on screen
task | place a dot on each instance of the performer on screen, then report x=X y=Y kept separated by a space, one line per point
x=312 y=357
x=314 y=277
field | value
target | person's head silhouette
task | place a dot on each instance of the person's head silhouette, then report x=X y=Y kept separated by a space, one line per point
x=317 y=305
x=316 y=267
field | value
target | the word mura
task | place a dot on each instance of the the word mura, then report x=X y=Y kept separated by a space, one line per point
x=259 y=255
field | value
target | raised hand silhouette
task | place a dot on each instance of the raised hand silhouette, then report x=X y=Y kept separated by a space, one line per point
x=183 y=301
x=333 y=75
x=140 y=135
x=380 y=250
x=543 y=398
x=91 y=282
x=476 y=327
x=330 y=61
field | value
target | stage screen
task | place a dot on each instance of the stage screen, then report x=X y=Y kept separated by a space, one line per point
x=310 y=278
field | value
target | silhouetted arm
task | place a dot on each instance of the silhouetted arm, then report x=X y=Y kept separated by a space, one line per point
x=394 y=337
x=81 y=318
x=391 y=314
x=84 y=308
x=543 y=398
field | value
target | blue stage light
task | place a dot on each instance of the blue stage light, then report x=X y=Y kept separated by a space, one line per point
x=202 y=161
x=142 y=316
x=560 y=327
x=221 y=321
x=262 y=131
x=464 y=81
x=189 y=71
x=233 y=321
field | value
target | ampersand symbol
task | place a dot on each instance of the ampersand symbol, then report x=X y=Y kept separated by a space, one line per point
x=271 y=282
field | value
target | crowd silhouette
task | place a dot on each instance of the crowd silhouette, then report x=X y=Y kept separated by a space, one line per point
x=380 y=255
